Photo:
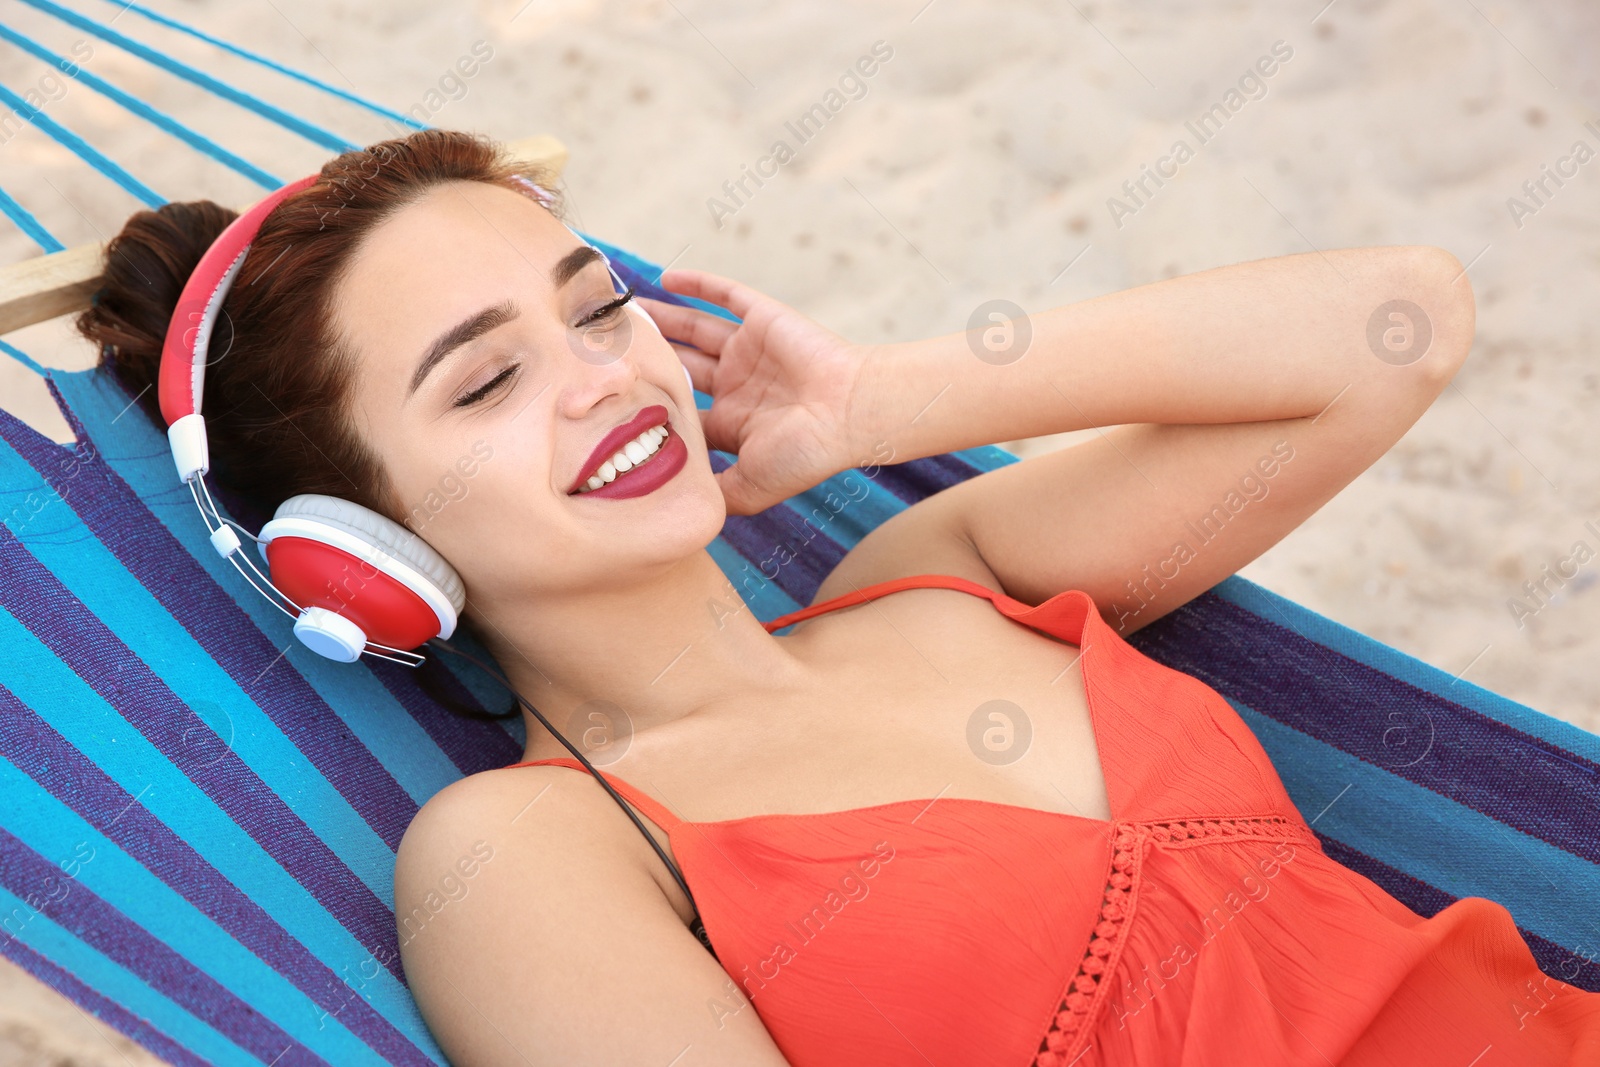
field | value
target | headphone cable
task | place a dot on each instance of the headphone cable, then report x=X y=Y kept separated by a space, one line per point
x=697 y=927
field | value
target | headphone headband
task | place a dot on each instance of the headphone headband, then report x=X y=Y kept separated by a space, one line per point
x=181 y=381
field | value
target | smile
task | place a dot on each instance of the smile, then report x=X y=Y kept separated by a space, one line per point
x=633 y=454
x=638 y=467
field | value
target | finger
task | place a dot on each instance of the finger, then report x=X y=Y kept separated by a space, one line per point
x=702 y=329
x=741 y=496
x=699 y=365
x=713 y=288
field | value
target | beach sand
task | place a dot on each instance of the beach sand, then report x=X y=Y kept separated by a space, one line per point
x=978 y=162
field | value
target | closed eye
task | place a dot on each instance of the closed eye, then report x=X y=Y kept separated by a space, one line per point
x=607 y=310
x=486 y=388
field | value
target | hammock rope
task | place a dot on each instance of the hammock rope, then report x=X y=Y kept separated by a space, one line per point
x=143 y=110
x=28 y=224
x=81 y=148
x=270 y=64
x=308 y=130
x=23 y=358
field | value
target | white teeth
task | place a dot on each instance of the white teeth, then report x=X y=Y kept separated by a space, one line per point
x=631 y=455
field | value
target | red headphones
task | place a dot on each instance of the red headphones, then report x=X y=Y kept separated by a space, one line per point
x=353 y=581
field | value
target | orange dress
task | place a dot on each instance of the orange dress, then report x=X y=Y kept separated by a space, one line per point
x=1202 y=925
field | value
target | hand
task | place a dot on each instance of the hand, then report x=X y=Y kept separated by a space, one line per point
x=781 y=387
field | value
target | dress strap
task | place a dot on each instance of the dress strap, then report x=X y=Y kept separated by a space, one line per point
x=1065 y=615
x=652 y=809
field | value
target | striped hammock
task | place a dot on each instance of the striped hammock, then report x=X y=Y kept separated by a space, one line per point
x=200 y=818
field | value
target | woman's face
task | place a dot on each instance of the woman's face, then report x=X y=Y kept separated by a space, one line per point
x=484 y=383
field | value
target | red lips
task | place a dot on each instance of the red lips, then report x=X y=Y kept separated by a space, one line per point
x=612 y=442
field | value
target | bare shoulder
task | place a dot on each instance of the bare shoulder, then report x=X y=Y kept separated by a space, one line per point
x=533 y=931
x=548 y=815
x=927 y=537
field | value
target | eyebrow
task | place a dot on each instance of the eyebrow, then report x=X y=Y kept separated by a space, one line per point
x=475 y=326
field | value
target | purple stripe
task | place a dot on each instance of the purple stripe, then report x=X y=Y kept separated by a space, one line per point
x=81 y=641
x=1480 y=763
x=122 y=522
x=1427 y=901
x=919 y=479
x=35 y=748
x=759 y=538
x=107 y=1011
x=468 y=744
x=29 y=875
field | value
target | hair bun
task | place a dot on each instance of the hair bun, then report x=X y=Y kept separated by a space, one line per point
x=146 y=267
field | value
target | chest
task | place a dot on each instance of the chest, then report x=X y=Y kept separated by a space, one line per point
x=928 y=696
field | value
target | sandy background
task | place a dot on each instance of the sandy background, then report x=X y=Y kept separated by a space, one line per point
x=977 y=164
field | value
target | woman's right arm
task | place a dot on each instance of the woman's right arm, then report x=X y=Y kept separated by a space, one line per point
x=534 y=931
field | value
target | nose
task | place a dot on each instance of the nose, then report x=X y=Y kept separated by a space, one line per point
x=604 y=364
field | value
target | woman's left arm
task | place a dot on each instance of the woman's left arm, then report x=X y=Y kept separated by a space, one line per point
x=1243 y=398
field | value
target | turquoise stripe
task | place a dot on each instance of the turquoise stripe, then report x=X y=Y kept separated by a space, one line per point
x=1451 y=847
x=81 y=148
x=1396 y=664
x=305 y=129
x=143 y=110
x=767 y=600
x=52 y=829
x=127 y=608
x=22 y=357
x=268 y=63
x=36 y=233
x=114 y=982
x=94 y=728
x=143 y=460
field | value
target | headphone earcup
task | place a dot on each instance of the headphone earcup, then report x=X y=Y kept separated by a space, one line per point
x=359 y=576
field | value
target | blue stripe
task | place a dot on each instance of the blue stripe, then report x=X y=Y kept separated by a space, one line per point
x=52 y=829
x=93 y=653
x=38 y=750
x=40 y=679
x=81 y=148
x=215 y=704
x=1403 y=668
x=1422 y=898
x=143 y=110
x=48 y=933
x=137 y=452
x=113 y=981
x=101 y=1007
x=1529 y=784
x=1449 y=846
x=262 y=669
x=37 y=233
x=268 y=63
x=310 y=132
x=22 y=357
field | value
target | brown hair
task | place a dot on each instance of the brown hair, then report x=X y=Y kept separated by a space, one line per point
x=278 y=379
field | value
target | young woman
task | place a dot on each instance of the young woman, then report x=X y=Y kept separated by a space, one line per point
x=929 y=824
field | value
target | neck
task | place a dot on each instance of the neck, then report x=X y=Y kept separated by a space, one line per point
x=603 y=662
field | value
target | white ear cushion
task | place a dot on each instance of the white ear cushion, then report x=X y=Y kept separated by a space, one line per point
x=387 y=534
